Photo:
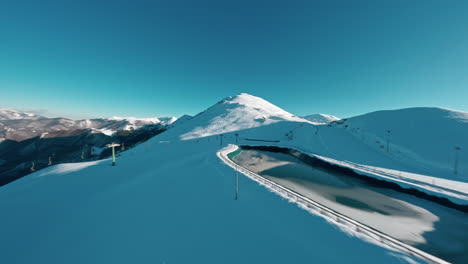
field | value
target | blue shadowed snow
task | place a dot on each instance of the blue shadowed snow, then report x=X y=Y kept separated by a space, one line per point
x=165 y=203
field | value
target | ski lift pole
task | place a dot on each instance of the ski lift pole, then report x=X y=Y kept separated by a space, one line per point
x=113 y=156
x=455 y=166
x=388 y=140
x=113 y=145
x=237 y=183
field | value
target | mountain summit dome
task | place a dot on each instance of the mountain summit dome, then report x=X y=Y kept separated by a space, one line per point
x=233 y=113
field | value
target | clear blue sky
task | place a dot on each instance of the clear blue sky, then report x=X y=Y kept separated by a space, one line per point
x=159 y=58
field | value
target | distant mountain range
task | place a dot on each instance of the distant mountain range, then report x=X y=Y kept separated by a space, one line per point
x=18 y=126
x=29 y=142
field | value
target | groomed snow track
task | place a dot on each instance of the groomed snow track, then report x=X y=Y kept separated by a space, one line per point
x=345 y=223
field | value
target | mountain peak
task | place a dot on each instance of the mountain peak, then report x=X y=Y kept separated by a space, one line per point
x=244 y=99
x=233 y=113
x=255 y=102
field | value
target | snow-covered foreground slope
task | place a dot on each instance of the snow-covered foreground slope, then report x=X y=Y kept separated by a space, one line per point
x=164 y=203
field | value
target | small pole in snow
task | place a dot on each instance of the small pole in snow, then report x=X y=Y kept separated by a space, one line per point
x=455 y=165
x=237 y=183
x=221 y=137
x=113 y=156
x=237 y=137
x=388 y=140
x=113 y=145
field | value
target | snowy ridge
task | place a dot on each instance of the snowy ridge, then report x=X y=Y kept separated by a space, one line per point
x=131 y=123
x=321 y=118
x=12 y=114
x=18 y=126
x=345 y=223
x=134 y=119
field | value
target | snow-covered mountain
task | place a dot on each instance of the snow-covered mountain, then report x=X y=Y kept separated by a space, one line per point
x=18 y=126
x=321 y=118
x=12 y=114
x=233 y=113
x=173 y=192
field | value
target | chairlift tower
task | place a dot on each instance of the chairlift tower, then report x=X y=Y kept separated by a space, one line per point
x=237 y=183
x=113 y=145
x=388 y=140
